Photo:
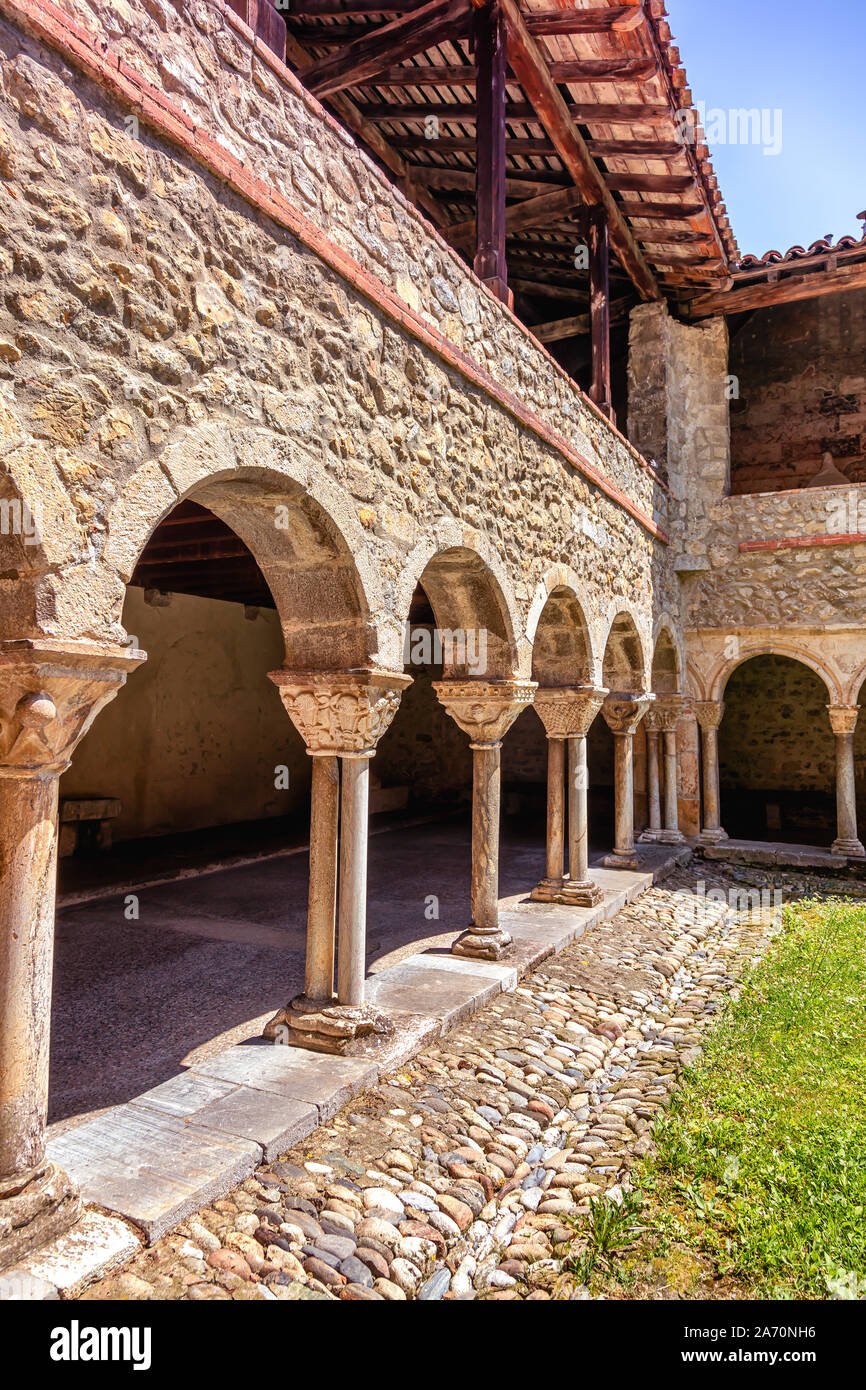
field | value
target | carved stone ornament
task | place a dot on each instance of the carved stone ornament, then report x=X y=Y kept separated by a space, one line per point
x=664 y=714
x=623 y=711
x=843 y=718
x=50 y=694
x=485 y=710
x=568 y=711
x=341 y=712
x=709 y=713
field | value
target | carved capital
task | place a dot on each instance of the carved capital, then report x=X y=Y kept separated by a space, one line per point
x=623 y=711
x=50 y=693
x=664 y=714
x=843 y=718
x=709 y=713
x=568 y=711
x=485 y=710
x=341 y=712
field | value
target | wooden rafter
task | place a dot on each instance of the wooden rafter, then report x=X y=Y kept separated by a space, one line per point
x=371 y=58
x=466 y=112
x=534 y=212
x=531 y=68
x=557 y=330
x=588 y=70
x=783 y=291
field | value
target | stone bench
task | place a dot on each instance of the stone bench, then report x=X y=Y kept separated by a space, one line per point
x=85 y=823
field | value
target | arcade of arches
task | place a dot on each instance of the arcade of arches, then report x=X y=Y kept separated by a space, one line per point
x=304 y=536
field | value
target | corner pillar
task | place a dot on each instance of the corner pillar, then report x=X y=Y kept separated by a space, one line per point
x=485 y=710
x=623 y=711
x=709 y=714
x=843 y=719
x=50 y=693
x=340 y=715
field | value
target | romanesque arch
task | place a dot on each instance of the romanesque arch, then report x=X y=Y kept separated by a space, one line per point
x=777 y=772
x=624 y=666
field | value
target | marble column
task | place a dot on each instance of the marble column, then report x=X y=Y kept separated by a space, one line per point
x=843 y=720
x=50 y=693
x=485 y=710
x=341 y=715
x=567 y=713
x=623 y=711
x=709 y=714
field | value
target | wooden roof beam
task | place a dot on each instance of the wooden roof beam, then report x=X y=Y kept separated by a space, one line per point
x=368 y=59
x=556 y=23
x=533 y=212
x=589 y=70
x=466 y=111
x=557 y=330
x=531 y=68
x=782 y=291
x=516 y=185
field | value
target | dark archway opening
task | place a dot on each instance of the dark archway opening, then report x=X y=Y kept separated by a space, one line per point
x=777 y=754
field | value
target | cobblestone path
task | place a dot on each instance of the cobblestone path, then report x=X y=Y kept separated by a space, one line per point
x=456 y=1178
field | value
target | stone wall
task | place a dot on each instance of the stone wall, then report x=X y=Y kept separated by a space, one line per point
x=157 y=333
x=801 y=372
x=196 y=738
x=794 y=584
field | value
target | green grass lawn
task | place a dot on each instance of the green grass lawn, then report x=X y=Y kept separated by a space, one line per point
x=758 y=1185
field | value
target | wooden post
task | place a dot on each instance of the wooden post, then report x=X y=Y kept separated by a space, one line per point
x=598 y=239
x=491 y=72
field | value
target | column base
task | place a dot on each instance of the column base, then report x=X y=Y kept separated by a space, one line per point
x=585 y=894
x=482 y=943
x=625 y=860
x=321 y=1025
x=34 y=1210
x=671 y=837
x=852 y=848
x=713 y=837
x=650 y=836
x=547 y=890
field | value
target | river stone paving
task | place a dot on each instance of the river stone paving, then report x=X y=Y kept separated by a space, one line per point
x=457 y=1178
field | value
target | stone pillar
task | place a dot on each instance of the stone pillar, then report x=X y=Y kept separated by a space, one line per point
x=322 y=905
x=652 y=724
x=554 y=879
x=623 y=711
x=567 y=713
x=843 y=719
x=669 y=709
x=340 y=715
x=485 y=710
x=709 y=715
x=50 y=693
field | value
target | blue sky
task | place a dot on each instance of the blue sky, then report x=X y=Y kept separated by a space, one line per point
x=802 y=58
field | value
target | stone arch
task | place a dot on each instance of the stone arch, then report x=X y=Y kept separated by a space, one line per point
x=777 y=771
x=469 y=591
x=718 y=679
x=666 y=674
x=563 y=649
x=300 y=528
x=625 y=663
x=856 y=688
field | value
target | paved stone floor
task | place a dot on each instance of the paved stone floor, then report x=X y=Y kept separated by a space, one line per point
x=458 y=1176
x=209 y=959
